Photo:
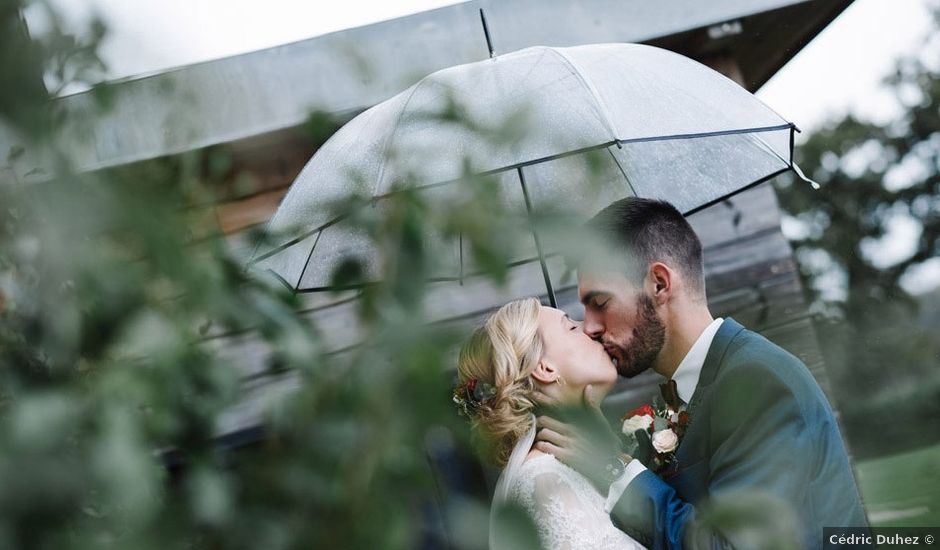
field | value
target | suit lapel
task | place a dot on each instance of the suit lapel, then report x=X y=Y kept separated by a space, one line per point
x=686 y=454
x=716 y=353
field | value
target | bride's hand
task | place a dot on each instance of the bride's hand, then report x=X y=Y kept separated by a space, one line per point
x=584 y=441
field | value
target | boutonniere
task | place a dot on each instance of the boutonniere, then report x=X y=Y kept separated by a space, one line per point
x=653 y=432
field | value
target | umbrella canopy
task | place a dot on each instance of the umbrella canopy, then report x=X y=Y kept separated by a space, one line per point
x=666 y=126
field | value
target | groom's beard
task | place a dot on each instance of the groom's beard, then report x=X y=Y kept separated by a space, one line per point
x=649 y=335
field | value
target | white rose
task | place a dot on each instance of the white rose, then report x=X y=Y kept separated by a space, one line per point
x=638 y=422
x=665 y=441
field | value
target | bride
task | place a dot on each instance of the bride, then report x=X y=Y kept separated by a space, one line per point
x=521 y=349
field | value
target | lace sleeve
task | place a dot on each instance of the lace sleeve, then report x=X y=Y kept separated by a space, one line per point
x=568 y=512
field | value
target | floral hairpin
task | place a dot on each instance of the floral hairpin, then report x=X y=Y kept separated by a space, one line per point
x=470 y=395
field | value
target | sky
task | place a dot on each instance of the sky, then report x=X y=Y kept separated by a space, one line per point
x=839 y=71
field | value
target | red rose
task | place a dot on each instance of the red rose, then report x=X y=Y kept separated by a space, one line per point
x=641 y=411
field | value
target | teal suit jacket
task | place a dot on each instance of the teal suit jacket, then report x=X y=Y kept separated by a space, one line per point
x=759 y=422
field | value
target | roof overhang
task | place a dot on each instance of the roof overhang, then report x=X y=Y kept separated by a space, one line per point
x=268 y=93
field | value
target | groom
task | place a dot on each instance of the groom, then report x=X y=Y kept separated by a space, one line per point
x=759 y=421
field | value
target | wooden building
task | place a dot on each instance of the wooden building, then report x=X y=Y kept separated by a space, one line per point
x=254 y=108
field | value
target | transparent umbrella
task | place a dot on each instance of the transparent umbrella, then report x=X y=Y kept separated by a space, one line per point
x=665 y=126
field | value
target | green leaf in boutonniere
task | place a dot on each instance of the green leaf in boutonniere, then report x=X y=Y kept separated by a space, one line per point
x=660 y=424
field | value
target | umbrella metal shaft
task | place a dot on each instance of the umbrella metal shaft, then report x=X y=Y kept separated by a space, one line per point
x=538 y=242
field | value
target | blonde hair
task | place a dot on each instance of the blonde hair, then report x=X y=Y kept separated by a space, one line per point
x=504 y=352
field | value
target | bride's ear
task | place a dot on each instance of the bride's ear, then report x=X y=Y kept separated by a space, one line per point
x=545 y=372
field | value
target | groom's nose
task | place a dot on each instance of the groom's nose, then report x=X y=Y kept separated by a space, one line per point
x=592 y=326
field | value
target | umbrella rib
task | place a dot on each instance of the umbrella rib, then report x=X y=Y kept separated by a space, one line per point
x=598 y=102
x=622 y=171
x=307 y=263
x=770 y=149
x=391 y=136
x=538 y=242
x=793 y=131
x=282 y=247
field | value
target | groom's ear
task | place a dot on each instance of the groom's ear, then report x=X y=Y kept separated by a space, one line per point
x=545 y=372
x=661 y=279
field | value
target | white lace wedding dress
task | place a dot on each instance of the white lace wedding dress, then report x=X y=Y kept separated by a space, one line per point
x=567 y=510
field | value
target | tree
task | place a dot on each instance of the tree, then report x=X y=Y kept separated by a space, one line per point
x=875 y=177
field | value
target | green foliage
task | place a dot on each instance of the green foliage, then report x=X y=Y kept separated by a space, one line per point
x=113 y=286
x=882 y=355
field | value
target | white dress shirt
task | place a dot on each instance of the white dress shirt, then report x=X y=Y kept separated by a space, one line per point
x=686 y=377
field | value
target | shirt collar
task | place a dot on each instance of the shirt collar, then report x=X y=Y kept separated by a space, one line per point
x=689 y=370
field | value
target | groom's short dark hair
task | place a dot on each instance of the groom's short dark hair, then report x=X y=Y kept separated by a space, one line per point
x=647 y=231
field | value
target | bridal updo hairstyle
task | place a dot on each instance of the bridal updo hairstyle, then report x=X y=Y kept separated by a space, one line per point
x=504 y=352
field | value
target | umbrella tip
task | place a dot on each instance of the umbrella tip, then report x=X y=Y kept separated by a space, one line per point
x=486 y=33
